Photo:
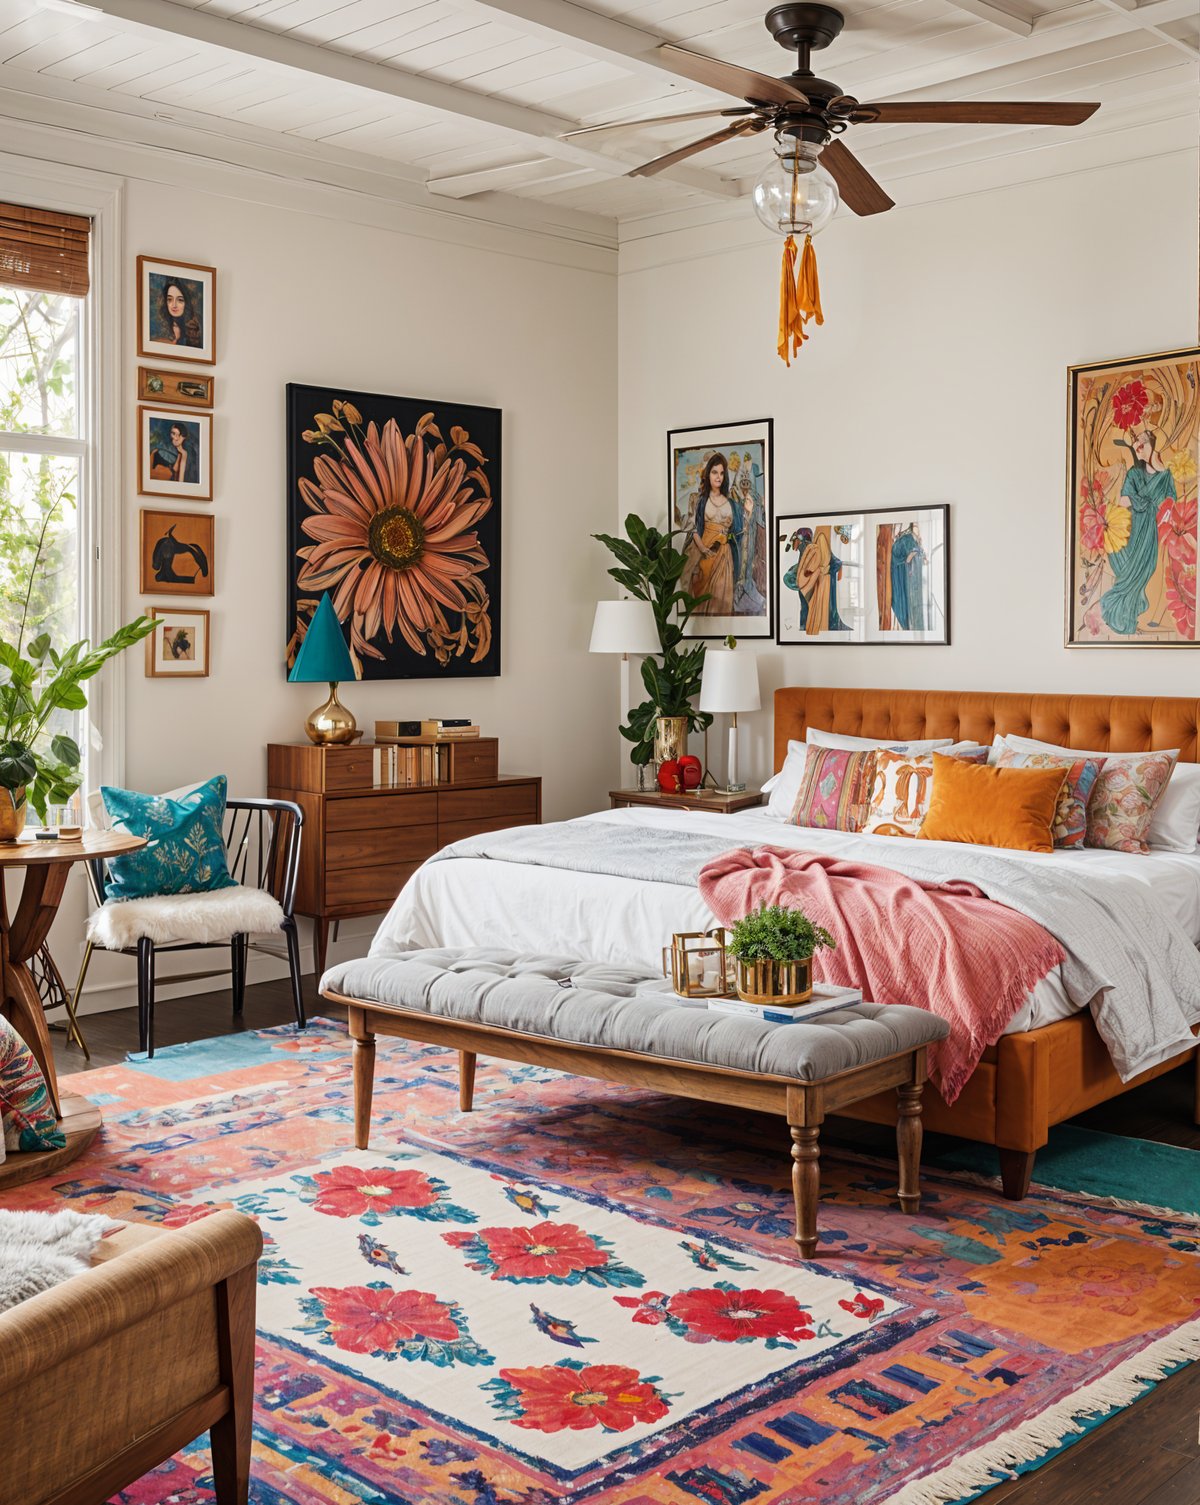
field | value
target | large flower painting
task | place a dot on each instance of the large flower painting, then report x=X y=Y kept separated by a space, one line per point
x=1135 y=447
x=394 y=509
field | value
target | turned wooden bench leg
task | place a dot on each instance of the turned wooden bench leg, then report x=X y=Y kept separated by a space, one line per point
x=908 y=1145
x=806 y=1184
x=364 y=1076
x=466 y=1080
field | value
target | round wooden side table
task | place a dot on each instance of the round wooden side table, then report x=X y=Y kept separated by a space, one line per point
x=47 y=866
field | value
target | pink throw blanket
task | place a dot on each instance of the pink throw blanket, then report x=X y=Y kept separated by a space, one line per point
x=942 y=947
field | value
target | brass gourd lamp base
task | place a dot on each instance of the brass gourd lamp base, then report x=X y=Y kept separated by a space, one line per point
x=331 y=724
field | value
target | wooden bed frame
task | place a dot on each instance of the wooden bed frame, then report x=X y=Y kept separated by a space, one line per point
x=1026 y=1082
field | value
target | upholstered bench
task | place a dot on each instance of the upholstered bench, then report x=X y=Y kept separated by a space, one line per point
x=598 y=1020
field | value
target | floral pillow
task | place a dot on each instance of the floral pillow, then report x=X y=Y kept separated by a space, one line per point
x=901 y=788
x=25 y=1107
x=1069 y=827
x=835 y=790
x=1123 y=801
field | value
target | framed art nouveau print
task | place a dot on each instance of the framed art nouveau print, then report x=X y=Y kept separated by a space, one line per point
x=719 y=488
x=175 y=454
x=176 y=553
x=179 y=648
x=864 y=577
x=177 y=311
x=1133 y=449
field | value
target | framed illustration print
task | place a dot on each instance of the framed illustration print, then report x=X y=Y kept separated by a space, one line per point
x=175 y=454
x=719 y=489
x=393 y=507
x=1133 y=449
x=864 y=577
x=177 y=311
x=176 y=553
x=184 y=389
x=179 y=649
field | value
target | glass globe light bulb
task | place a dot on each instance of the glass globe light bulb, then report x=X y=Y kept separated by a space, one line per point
x=794 y=195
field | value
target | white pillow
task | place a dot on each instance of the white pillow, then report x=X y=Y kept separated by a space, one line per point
x=784 y=786
x=1175 y=821
x=817 y=738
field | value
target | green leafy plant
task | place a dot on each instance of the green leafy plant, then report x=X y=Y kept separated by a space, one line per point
x=774 y=933
x=649 y=566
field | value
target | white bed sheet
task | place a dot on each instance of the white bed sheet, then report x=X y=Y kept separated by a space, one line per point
x=475 y=902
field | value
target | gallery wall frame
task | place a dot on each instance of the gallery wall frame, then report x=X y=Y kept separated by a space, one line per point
x=176 y=553
x=175 y=454
x=176 y=310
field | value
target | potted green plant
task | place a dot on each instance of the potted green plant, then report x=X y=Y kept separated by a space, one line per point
x=649 y=566
x=773 y=948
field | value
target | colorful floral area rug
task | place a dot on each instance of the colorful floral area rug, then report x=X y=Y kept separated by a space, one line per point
x=579 y=1292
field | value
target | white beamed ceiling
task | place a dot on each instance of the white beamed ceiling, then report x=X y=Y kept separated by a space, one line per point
x=465 y=99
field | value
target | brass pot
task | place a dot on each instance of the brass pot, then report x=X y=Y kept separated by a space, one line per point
x=12 y=813
x=773 y=982
x=670 y=738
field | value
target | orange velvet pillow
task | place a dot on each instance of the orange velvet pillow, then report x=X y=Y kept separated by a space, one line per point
x=995 y=807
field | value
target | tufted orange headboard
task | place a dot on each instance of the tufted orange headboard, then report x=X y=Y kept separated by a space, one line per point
x=1112 y=723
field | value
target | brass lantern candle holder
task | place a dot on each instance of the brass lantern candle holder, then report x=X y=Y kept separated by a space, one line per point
x=699 y=966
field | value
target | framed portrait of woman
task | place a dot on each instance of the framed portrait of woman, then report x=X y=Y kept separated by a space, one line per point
x=177 y=311
x=1133 y=445
x=720 y=507
x=175 y=454
x=864 y=577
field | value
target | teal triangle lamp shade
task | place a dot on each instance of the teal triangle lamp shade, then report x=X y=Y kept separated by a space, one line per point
x=323 y=655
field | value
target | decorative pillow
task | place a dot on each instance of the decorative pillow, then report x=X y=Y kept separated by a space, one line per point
x=817 y=738
x=186 y=851
x=836 y=789
x=900 y=792
x=1070 y=819
x=784 y=786
x=1122 y=805
x=25 y=1107
x=994 y=807
x=1175 y=819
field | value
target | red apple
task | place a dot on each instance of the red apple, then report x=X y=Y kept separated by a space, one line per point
x=670 y=776
x=693 y=771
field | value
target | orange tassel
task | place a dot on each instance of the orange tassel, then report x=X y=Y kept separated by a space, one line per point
x=808 y=289
x=799 y=298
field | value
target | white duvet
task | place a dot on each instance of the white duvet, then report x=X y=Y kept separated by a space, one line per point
x=476 y=902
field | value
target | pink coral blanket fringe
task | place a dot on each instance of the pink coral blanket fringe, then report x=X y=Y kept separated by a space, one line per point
x=942 y=947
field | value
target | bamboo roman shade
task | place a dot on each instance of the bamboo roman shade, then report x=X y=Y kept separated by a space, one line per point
x=44 y=250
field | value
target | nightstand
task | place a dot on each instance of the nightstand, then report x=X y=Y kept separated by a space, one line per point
x=715 y=801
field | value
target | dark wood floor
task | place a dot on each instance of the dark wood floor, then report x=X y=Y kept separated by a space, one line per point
x=1147 y=1455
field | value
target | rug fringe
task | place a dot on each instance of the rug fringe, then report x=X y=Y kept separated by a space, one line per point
x=986 y=1466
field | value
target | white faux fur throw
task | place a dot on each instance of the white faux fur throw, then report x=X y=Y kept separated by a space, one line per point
x=213 y=916
x=40 y=1249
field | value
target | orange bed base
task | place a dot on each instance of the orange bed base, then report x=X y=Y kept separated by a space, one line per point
x=1027 y=1082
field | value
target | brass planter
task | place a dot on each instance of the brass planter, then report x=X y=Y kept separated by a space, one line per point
x=12 y=814
x=670 y=738
x=778 y=983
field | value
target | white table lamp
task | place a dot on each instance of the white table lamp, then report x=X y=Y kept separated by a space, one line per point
x=730 y=685
x=625 y=627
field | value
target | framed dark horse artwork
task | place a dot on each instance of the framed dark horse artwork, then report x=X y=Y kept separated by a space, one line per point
x=393 y=507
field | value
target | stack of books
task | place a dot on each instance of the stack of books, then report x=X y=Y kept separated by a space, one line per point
x=398 y=767
x=826 y=999
x=406 y=732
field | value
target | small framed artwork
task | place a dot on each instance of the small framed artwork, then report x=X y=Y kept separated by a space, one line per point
x=176 y=553
x=183 y=389
x=719 y=488
x=1133 y=450
x=175 y=454
x=864 y=577
x=179 y=649
x=177 y=311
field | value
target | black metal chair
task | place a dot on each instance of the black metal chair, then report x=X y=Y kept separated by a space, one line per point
x=262 y=843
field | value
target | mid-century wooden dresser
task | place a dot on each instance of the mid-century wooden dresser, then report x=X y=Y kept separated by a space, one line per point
x=362 y=843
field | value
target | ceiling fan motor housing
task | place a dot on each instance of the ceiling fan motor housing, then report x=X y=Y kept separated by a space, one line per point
x=803 y=29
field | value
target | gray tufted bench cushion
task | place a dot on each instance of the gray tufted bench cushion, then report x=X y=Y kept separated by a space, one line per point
x=613 y=1008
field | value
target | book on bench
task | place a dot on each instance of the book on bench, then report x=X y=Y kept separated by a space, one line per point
x=826 y=999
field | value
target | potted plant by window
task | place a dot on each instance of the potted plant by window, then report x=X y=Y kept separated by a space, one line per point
x=773 y=948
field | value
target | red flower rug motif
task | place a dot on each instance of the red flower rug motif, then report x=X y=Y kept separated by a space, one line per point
x=583 y=1293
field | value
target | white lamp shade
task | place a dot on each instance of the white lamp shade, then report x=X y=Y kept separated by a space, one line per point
x=730 y=681
x=624 y=627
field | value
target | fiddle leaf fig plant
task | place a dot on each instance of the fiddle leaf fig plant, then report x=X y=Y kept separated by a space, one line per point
x=649 y=566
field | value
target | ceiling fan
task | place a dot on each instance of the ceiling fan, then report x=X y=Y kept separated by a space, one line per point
x=814 y=111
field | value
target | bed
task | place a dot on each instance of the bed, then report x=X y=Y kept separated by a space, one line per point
x=1050 y=1064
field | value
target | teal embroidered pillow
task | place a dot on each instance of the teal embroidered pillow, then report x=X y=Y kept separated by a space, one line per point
x=25 y=1108
x=186 y=851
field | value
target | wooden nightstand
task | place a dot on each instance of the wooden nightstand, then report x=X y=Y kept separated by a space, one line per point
x=716 y=802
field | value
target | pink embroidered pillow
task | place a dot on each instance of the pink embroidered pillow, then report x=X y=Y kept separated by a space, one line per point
x=835 y=789
x=1070 y=818
x=1123 y=801
x=901 y=786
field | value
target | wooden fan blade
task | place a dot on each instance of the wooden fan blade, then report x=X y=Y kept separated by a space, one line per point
x=855 y=184
x=625 y=125
x=742 y=83
x=739 y=128
x=976 y=112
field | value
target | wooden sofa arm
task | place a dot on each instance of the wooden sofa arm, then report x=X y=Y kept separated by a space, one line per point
x=42 y=1332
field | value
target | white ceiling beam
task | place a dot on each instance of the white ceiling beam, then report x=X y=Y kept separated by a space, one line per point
x=1152 y=18
x=996 y=14
x=463 y=185
x=308 y=61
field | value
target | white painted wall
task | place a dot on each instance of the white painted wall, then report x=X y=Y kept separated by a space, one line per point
x=939 y=376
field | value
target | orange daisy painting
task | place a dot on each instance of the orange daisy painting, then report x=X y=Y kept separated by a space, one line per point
x=394 y=509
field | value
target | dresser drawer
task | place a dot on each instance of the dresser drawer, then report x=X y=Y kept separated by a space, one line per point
x=383 y=846
x=364 y=890
x=516 y=801
x=474 y=760
x=456 y=830
x=372 y=811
